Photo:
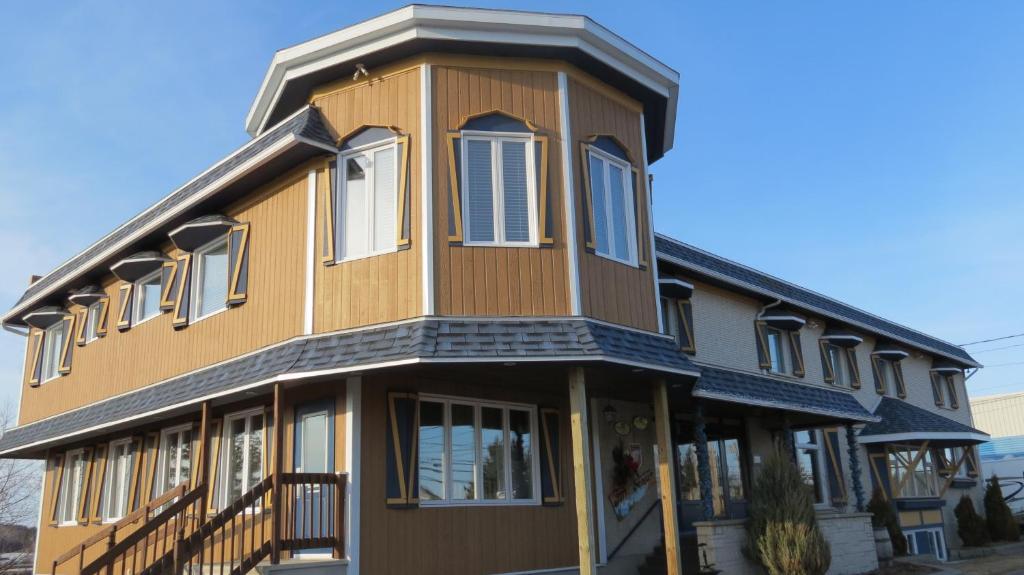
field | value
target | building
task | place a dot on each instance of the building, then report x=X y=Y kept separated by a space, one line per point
x=421 y=323
x=1003 y=456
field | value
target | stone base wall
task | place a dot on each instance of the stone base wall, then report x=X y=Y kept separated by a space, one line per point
x=849 y=535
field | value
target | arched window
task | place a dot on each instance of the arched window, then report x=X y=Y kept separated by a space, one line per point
x=610 y=183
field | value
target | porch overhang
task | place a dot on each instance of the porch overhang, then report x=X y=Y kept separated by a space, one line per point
x=750 y=389
x=901 y=422
x=449 y=341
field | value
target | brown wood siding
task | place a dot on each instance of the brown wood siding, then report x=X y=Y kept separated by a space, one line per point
x=459 y=540
x=386 y=287
x=153 y=351
x=488 y=281
x=610 y=291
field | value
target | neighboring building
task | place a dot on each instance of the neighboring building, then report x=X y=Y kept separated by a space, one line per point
x=1000 y=416
x=417 y=324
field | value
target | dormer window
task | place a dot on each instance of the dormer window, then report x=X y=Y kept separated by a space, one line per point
x=611 y=200
x=501 y=204
x=211 y=279
x=147 y=297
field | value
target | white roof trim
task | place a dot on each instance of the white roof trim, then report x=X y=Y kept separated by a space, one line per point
x=923 y=436
x=467 y=25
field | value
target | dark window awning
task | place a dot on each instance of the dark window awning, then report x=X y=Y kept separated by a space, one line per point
x=783 y=318
x=44 y=317
x=842 y=337
x=196 y=233
x=675 y=288
x=946 y=367
x=901 y=422
x=87 y=295
x=762 y=391
x=138 y=265
x=889 y=351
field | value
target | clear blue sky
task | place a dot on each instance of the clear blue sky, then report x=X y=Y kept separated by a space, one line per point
x=868 y=150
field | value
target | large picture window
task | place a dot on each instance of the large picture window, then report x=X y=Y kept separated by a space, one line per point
x=912 y=471
x=477 y=453
x=368 y=202
x=210 y=287
x=117 y=480
x=72 y=483
x=611 y=191
x=500 y=201
x=243 y=453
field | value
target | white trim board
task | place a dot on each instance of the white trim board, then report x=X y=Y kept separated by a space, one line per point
x=924 y=436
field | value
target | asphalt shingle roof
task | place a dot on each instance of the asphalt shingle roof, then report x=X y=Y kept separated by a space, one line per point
x=898 y=416
x=425 y=340
x=703 y=262
x=751 y=389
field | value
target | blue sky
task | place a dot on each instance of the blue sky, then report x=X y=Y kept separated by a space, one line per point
x=871 y=151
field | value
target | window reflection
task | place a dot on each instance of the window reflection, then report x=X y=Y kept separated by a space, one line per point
x=521 y=440
x=492 y=452
x=726 y=465
x=431 y=450
x=463 y=466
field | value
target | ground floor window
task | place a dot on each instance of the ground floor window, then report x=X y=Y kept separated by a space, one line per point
x=912 y=471
x=927 y=542
x=71 y=485
x=243 y=453
x=117 y=480
x=811 y=460
x=175 y=461
x=727 y=473
x=476 y=452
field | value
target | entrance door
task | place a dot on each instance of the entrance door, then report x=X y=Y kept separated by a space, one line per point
x=314 y=453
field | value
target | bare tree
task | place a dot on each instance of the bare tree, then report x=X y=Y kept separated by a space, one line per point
x=19 y=499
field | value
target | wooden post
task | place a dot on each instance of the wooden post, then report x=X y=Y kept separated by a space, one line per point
x=204 y=463
x=339 y=506
x=111 y=541
x=278 y=465
x=582 y=471
x=666 y=477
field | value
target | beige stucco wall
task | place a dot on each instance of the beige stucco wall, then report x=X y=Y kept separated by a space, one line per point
x=999 y=415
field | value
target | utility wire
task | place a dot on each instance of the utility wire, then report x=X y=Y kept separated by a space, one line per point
x=993 y=339
x=1005 y=364
x=997 y=348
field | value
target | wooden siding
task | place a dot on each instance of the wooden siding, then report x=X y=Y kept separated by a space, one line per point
x=153 y=350
x=460 y=540
x=497 y=281
x=380 y=288
x=610 y=290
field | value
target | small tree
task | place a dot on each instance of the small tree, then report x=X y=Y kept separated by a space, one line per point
x=19 y=488
x=1001 y=524
x=970 y=526
x=783 y=534
x=882 y=515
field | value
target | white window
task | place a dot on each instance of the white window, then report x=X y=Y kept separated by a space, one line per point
x=837 y=357
x=776 y=349
x=175 y=461
x=72 y=481
x=810 y=458
x=500 y=203
x=53 y=344
x=914 y=470
x=477 y=453
x=242 y=454
x=368 y=202
x=210 y=280
x=117 y=480
x=92 y=321
x=927 y=542
x=147 y=297
x=611 y=191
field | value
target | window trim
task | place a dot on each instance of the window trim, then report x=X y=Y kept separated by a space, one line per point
x=497 y=187
x=629 y=194
x=62 y=494
x=92 y=321
x=225 y=454
x=108 y=476
x=783 y=367
x=51 y=355
x=196 y=280
x=477 y=405
x=342 y=169
x=840 y=369
x=933 y=476
x=138 y=291
x=162 y=456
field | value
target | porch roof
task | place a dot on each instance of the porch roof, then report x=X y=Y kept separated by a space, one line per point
x=751 y=389
x=425 y=340
x=901 y=421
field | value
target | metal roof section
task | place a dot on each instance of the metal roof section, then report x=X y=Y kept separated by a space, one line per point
x=715 y=267
x=901 y=421
x=751 y=389
x=420 y=28
x=295 y=139
x=431 y=340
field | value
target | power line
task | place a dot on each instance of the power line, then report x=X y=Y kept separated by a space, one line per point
x=1005 y=364
x=997 y=348
x=993 y=339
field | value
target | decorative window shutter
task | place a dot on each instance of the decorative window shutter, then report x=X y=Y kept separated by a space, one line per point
x=954 y=400
x=124 y=306
x=589 y=235
x=404 y=223
x=827 y=368
x=81 y=317
x=764 y=360
x=83 y=505
x=401 y=484
x=937 y=389
x=971 y=462
x=67 y=350
x=137 y=472
x=851 y=359
x=327 y=213
x=214 y=447
x=454 y=192
x=687 y=343
x=149 y=473
x=101 y=326
x=880 y=473
x=550 y=457
x=36 y=349
x=238 y=260
x=876 y=369
x=901 y=388
x=639 y=213
x=836 y=479
x=797 y=352
x=545 y=223
x=183 y=298
x=58 y=480
x=96 y=515
x=168 y=285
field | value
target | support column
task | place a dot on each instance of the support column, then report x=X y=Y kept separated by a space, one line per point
x=204 y=464
x=788 y=442
x=277 y=469
x=581 y=470
x=700 y=439
x=851 y=451
x=667 y=477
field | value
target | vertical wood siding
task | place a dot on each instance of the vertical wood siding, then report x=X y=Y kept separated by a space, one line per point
x=386 y=287
x=610 y=291
x=153 y=350
x=490 y=281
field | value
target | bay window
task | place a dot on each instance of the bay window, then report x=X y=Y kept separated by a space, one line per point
x=72 y=484
x=117 y=480
x=474 y=452
x=611 y=197
x=501 y=204
x=912 y=471
x=366 y=207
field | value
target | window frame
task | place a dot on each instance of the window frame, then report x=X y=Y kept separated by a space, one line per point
x=498 y=187
x=108 y=476
x=886 y=375
x=670 y=317
x=477 y=404
x=65 y=486
x=163 y=454
x=366 y=150
x=224 y=464
x=818 y=446
x=92 y=321
x=52 y=352
x=197 y=274
x=951 y=400
x=782 y=349
x=629 y=195
x=840 y=370
x=932 y=474
x=138 y=292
